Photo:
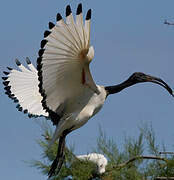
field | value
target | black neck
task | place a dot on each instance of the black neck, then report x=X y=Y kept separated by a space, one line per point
x=135 y=78
x=117 y=88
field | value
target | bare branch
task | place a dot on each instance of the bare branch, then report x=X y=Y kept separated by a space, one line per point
x=164 y=178
x=171 y=153
x=122 y=165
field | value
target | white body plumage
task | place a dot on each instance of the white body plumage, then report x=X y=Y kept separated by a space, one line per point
x=79 y=111
x=98 y=159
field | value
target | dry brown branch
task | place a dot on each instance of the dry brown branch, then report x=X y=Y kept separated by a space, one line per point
x=122 y=165
x=171 y=153
x=138 y=158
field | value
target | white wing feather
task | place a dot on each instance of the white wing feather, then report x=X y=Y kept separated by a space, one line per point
x=63 y=62
x=22 y=87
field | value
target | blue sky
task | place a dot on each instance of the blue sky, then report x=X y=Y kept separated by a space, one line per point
x=128 y=36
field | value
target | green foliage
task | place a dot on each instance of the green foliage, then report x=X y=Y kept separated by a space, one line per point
x=130 y=163
x=132 y=147
x=149 y=135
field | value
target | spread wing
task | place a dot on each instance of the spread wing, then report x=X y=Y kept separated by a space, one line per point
x=63 y=63
x=22 y=87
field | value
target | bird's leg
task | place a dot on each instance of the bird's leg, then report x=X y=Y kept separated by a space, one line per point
x=57 y=163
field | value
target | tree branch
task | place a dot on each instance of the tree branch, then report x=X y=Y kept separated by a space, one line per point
x=171 y=153
x=164 y=178
x=122 y=165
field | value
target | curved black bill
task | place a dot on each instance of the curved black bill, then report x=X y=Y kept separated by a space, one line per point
x=138 y=77
x=160 y=82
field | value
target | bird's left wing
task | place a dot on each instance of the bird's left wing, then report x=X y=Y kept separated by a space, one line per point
x=63 y=63
x=22 y=87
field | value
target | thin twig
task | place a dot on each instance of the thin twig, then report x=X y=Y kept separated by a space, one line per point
x=140 y=157
x=164 y=178
x=122 y=165
x=172 y=153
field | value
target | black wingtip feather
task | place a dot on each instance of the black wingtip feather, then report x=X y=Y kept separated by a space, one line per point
x=11 y=97
x=46 y=33
x=59 y=17
x=39 y=59
x=16 y=100
x=25 y=111
x=40 y=53
x=51 y=25
x=43 y=43
x=6 y=83
x=39 y=66
x=40 y=85
x=7 y=93
x=4 y=78
x=28 y=60
x=30 y=115
x=20 y=109
x=40 y=90
x=68 y=10
x=79 y=9
x=9 y=68
x=6 y=73
x=88 y=15
x=17 y=62
x=7 y=88
x=17 y=106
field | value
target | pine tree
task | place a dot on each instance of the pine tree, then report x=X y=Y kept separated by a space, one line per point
x=128 y=164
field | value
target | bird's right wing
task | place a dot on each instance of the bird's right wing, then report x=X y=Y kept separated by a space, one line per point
x=63 y=63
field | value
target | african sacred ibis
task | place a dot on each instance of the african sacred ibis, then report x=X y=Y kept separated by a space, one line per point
x=62 y=88
x=98 y=159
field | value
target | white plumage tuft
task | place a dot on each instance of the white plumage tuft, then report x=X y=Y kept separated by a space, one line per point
x=98 y=159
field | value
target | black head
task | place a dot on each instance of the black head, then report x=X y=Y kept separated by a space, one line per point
x=138 y=77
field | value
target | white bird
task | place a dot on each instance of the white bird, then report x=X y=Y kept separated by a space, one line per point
x=62 y=87
x=98 y=159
